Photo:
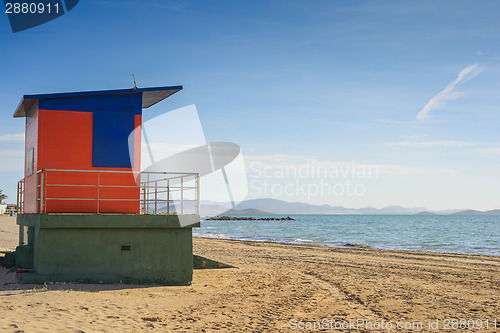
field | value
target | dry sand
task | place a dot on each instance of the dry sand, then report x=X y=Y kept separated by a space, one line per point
x=9 y=232
x=273 y=284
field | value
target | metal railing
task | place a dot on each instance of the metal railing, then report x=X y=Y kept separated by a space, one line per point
x=20 y=196
x=157 y=192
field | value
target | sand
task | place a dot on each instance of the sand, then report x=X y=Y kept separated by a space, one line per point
x=276 y=288
x=9 y=232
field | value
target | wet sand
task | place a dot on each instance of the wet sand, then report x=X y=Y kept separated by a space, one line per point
x=275 y=288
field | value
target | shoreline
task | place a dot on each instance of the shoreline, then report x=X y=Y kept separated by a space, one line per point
x=456 y=234
x=352 y=246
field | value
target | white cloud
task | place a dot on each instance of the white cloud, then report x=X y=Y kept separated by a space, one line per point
x=424 y=144
x=12 y=137
x=448 y=93
x=11 y=160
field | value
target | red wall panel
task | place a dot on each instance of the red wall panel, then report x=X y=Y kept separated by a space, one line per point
x=64 y=141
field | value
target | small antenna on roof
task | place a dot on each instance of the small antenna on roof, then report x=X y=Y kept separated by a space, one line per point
x=135 y=84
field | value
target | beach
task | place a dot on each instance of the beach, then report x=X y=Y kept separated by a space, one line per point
x=275 y=287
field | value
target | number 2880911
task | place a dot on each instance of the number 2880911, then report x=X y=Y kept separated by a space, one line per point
x=31 y=8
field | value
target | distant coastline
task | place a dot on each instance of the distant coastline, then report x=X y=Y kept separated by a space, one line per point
x=466 y=234
x=270 y=206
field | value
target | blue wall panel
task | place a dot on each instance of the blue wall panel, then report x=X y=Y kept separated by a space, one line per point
x=132 y=103
x=110 y=146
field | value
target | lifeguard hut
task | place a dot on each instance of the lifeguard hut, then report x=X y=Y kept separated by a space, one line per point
x=85 y=208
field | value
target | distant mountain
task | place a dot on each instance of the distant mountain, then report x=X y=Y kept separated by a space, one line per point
x=274 y=206
x=468 y=212
x=390 y=210
x=215 y=209
x=446 y=212
x=477 y=212
x=284 y=207
x=249 y=211
x=426 y=213
x=280 y=207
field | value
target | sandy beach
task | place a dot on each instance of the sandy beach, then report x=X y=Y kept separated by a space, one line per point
x=275 y=288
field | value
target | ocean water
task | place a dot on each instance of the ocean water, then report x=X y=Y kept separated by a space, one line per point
x=438 y=233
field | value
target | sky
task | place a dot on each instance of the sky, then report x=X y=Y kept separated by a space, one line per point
x=346 y=103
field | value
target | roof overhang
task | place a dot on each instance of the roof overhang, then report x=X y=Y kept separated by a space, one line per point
x=150 y=96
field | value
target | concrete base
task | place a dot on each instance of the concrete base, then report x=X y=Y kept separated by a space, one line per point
x=24 y=256
x=99 y=248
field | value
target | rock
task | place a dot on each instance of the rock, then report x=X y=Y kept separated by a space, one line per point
x=243 y=218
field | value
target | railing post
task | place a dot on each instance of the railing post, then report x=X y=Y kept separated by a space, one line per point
x=143 y=189
x=37 y=193
x=182 y=195
x=147 y=184
x=18 y=194
x=168 y=196
x=44 y=194
x=22 y=197
x=98 y=190
x=156 y=197
x=40 y=210
x=197 y=194
x=20 y=207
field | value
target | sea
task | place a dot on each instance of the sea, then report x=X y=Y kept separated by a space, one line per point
x=466 y=234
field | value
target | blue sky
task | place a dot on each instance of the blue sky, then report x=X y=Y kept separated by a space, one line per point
x=333 y=84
